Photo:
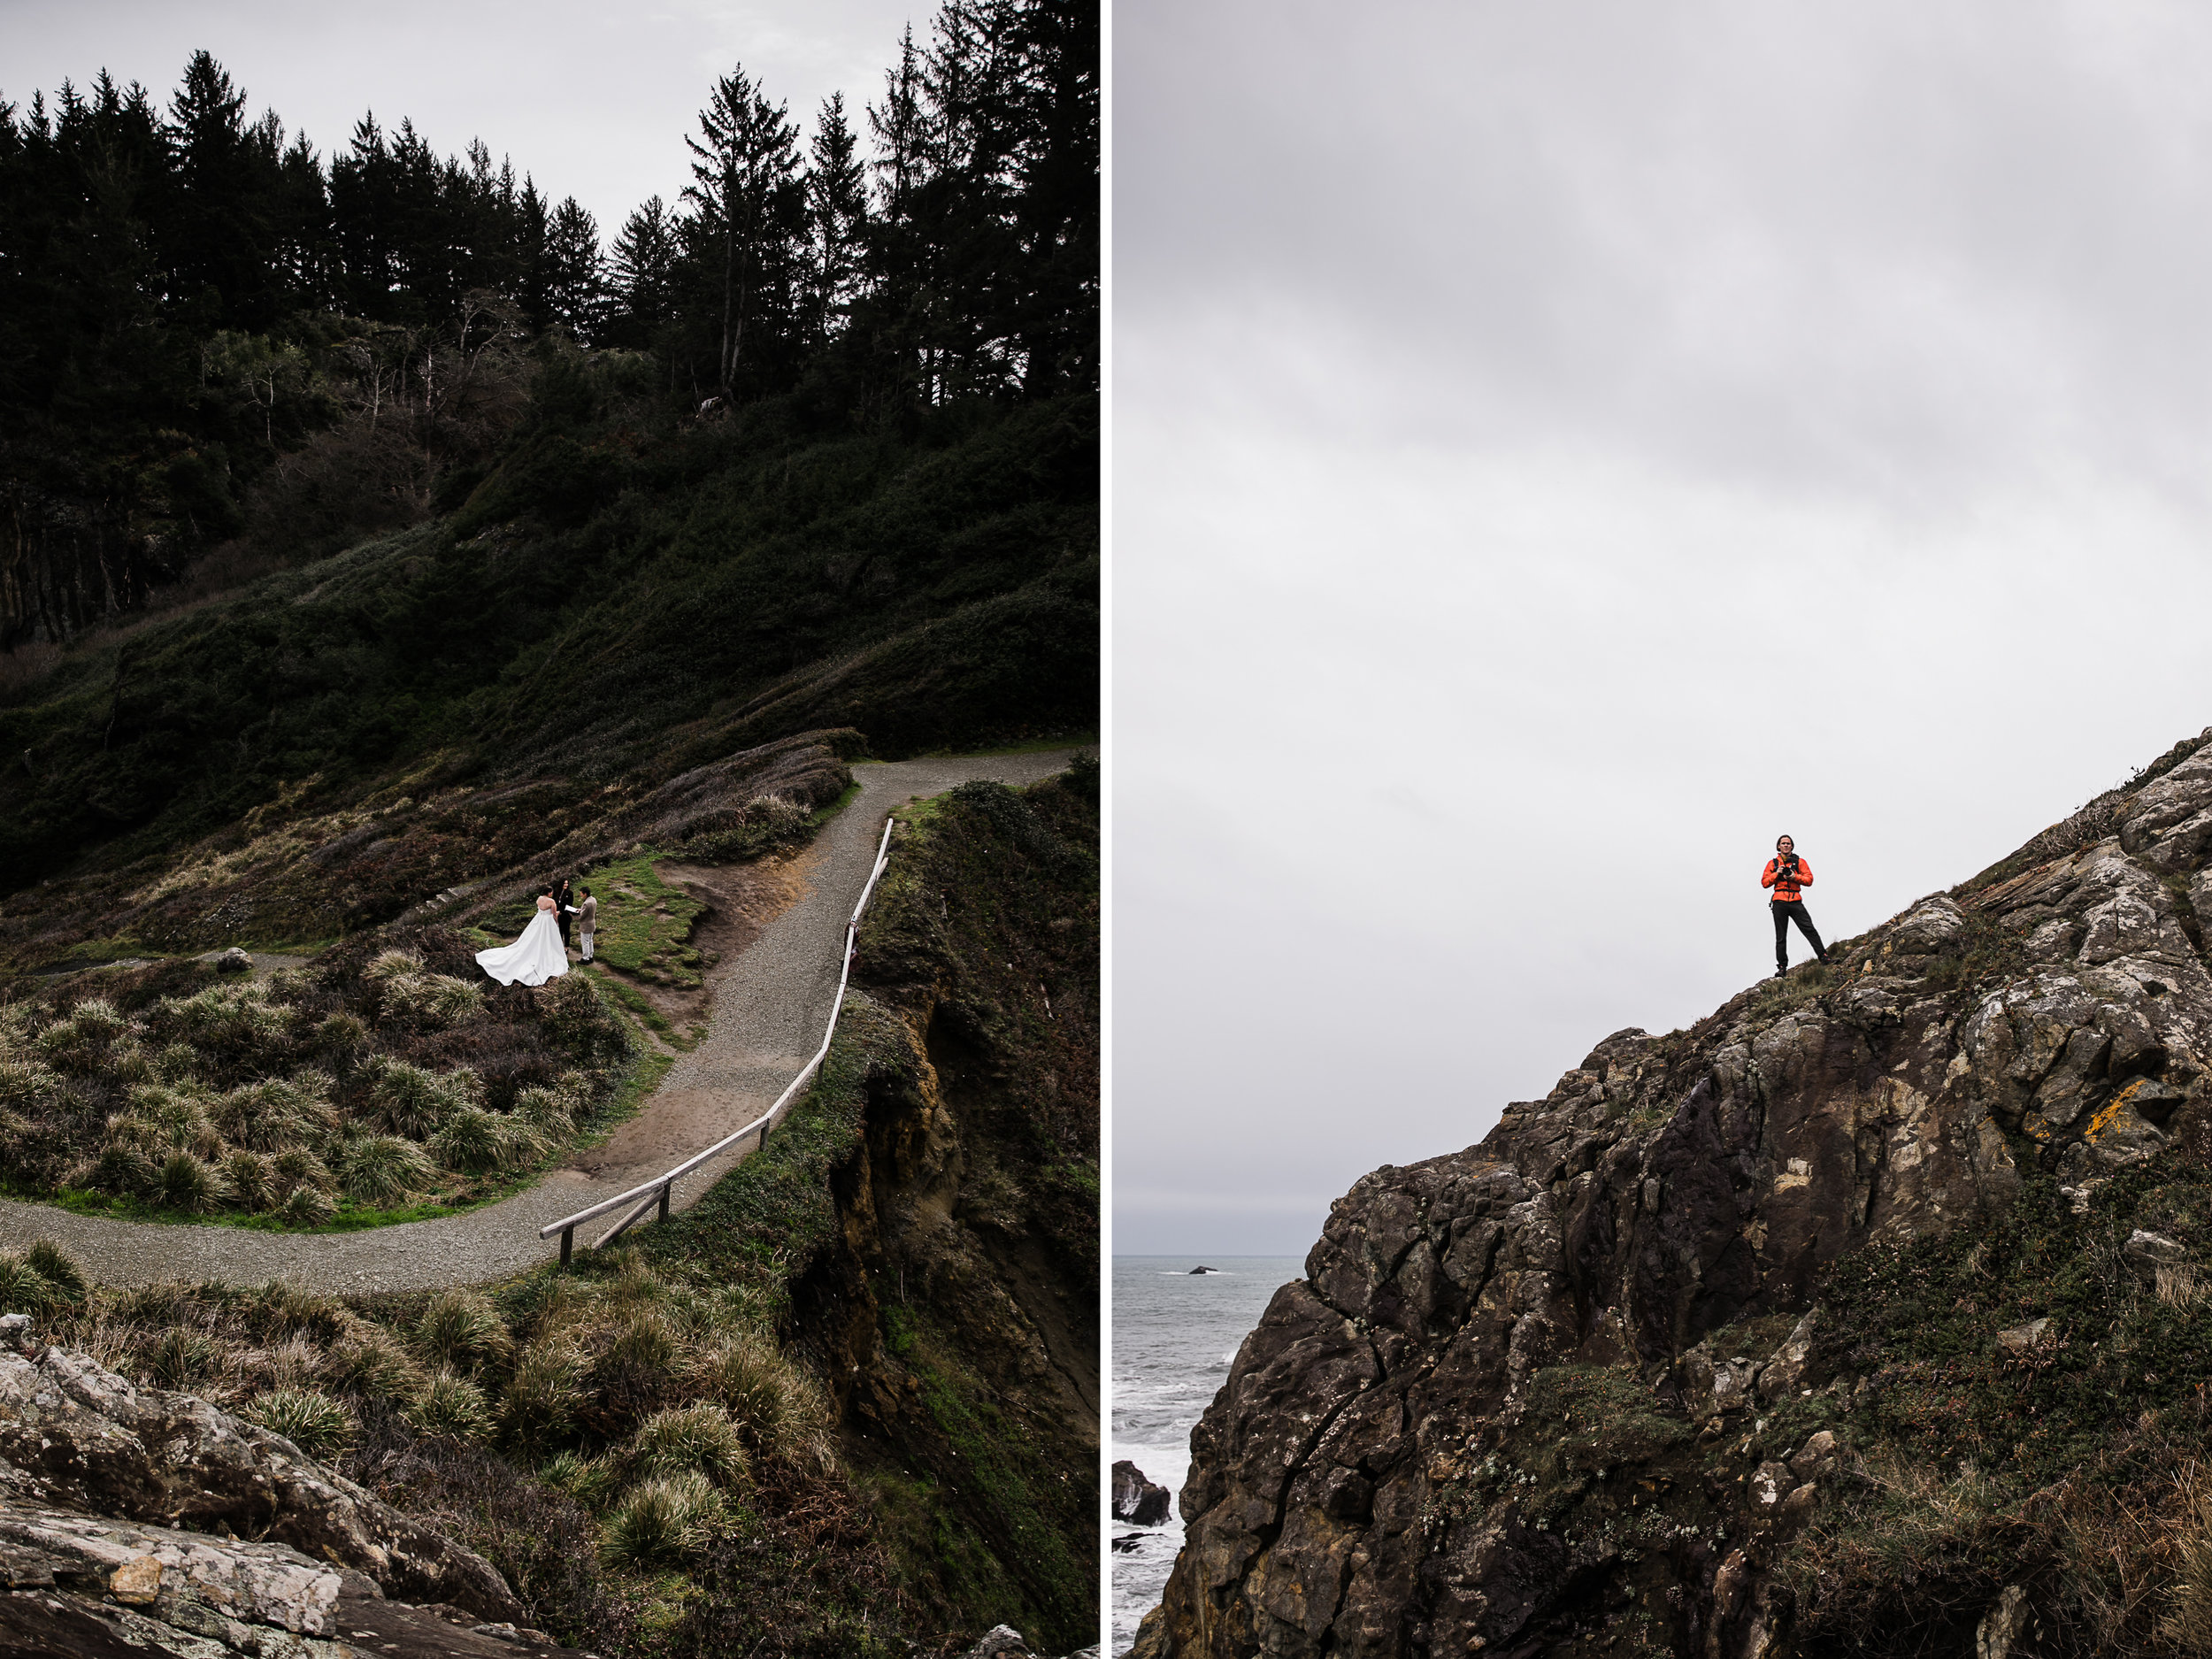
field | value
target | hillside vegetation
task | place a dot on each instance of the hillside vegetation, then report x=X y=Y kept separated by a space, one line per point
x=847 y=1403
x=603 y=610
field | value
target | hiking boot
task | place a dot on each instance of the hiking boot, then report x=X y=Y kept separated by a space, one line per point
x=1781 y=973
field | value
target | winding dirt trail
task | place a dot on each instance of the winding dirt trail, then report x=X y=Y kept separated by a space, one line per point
x=772 y=996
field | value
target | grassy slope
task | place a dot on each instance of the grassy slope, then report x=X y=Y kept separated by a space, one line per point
x=897 y=1248
x=868 y=1515
x=618 y=599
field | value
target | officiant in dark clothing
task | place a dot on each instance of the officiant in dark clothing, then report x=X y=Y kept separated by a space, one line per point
x=564 y=902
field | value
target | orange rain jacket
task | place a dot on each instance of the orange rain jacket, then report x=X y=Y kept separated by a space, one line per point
x=1785 y=887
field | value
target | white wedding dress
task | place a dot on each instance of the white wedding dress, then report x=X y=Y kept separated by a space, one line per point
x=532 y=959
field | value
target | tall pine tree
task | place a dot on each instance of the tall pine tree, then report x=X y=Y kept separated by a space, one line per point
x=745 y=185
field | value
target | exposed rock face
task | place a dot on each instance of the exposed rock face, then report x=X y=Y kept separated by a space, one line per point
x=1136 y=1500
x=87 y=1584
x=78 y=1442
x=1346 y=1494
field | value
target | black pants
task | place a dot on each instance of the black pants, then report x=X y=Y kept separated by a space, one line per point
x=1785 y=911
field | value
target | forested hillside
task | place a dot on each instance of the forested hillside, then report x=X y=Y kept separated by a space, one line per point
x=221 y=352
x=314 y=468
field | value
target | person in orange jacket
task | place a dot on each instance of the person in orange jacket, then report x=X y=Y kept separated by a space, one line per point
x=1788 y=875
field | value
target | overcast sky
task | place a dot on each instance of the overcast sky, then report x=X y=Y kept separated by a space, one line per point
x=1559 y=448
x=592 y=99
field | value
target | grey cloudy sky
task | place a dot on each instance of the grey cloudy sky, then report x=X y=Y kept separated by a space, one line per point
x=593 y=99
x=1558 y=448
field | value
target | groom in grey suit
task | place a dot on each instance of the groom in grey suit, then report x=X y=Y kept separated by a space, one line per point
x=586 y=921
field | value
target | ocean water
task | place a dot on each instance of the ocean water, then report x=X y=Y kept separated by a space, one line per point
x=1174 y=1335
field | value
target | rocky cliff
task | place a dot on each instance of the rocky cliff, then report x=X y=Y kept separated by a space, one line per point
x=928 y=1219
x=145 y=1521
x=1861 y=1316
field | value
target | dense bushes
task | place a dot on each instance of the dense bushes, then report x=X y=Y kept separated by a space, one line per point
x=662 y=1417
x=371 y=1083
x=724 y=586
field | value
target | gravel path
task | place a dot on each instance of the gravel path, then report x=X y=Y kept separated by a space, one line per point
x=770 y=1004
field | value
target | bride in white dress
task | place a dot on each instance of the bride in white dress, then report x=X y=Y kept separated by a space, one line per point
x=533 y=958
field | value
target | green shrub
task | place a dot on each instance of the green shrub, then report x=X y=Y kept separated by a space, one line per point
x=546 y=1110
x=642 y=1338
x=371 y=1361
x=542 y=1398
x=460 y=1330
x=237 y=1023
x=342 y=1035
x=313 y=1421
x=452 y=1406
x=26 y=1086
x=388 y=965
x=412 y=1102
x=386 y=1170
x=664 y=1521
x=431 y=1001
x=60 y=1270
x=296 y=1166
x=81 y=1041
x=184 y=1181
x=578 y=1021
x=587 y=1479
x=477 y=1143
x=699 y=1438
x=307 y=1205
x=24 y=1289
x=121 y=1167
x=183 y=1356
x=251 y=1180
x=778 y=1406
x=176 y=1063
x=279 y=1308
x=276 y=1113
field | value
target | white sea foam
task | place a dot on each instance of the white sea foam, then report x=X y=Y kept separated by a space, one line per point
x=1168 y=1323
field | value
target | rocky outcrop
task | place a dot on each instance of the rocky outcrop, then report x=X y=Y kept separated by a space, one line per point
x=90 y=1585
x=148 y=1518
x=1380 y=1476
x=1136 y=1500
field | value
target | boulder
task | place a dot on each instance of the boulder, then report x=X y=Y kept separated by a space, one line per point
x=1002 y=1642
x=1136 y=1500
x=91 y=1585
x=75 y=1436
x=2150 y=1251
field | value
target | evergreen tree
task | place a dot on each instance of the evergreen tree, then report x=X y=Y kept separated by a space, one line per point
x=643 y=273
x=186 y=294
x=218 y=236
x=750 y=203
x=574 y=286
x=837 y=216
x=897 y=252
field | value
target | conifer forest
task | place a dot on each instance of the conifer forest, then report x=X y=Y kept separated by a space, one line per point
x=218 y=342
